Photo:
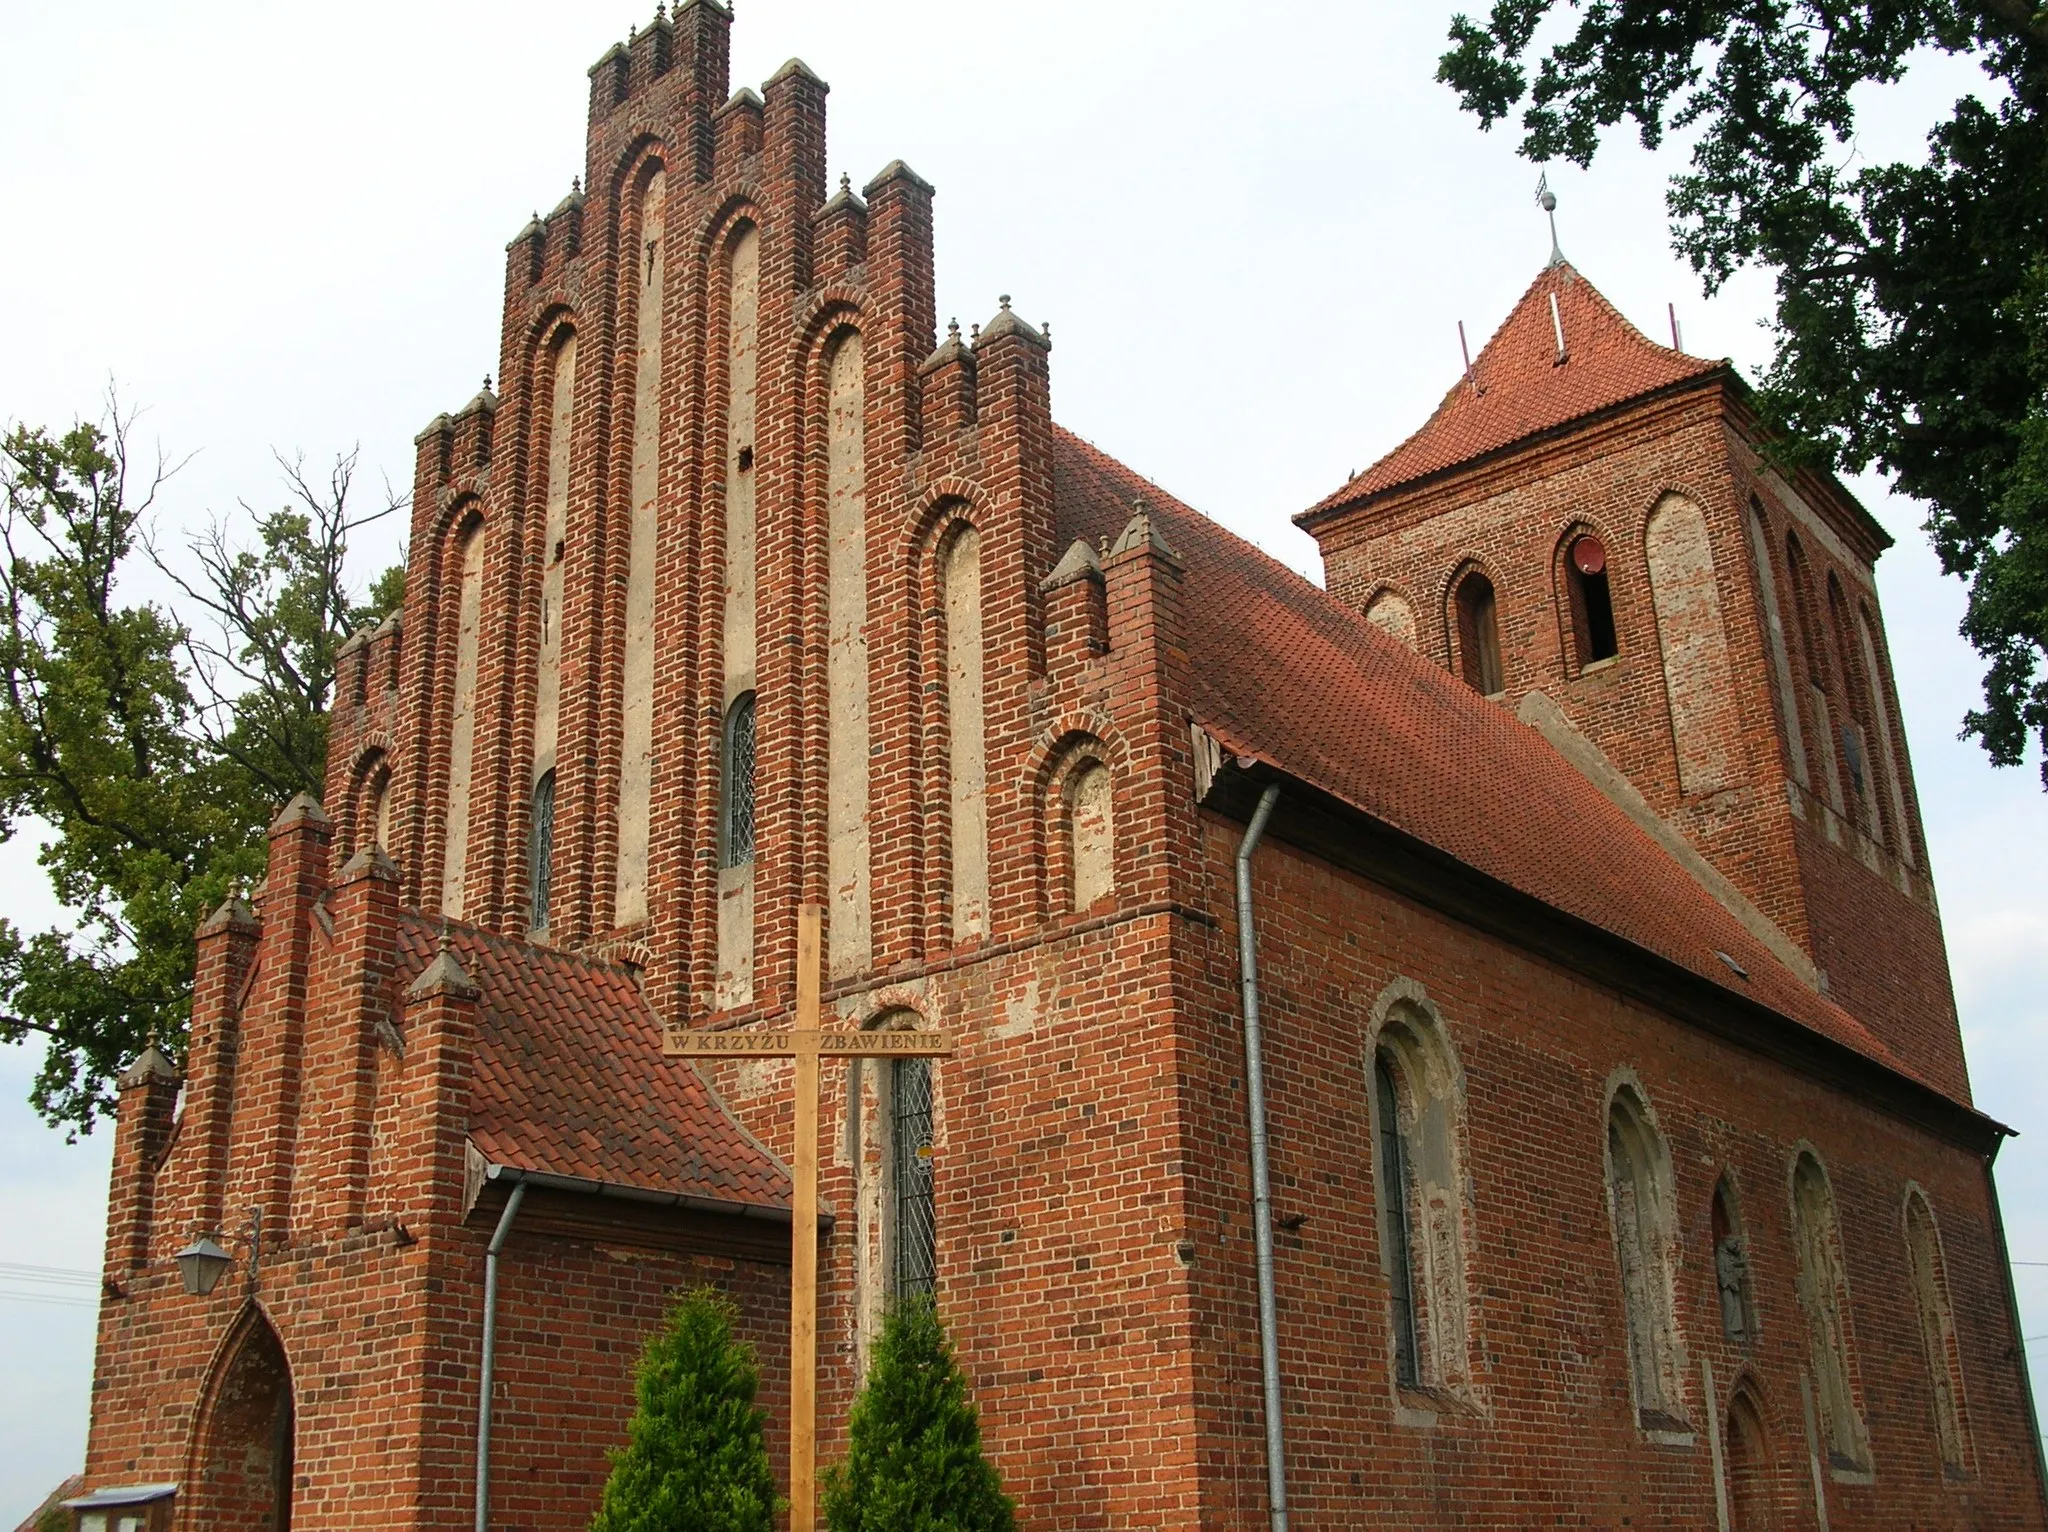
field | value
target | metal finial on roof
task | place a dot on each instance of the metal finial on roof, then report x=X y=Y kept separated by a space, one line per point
x=845 y=183
x=576 y=185
x=1547 y=200
x=1003 y=299
x=444 y=933
x=487 y=382
x=953 y=329
x=974 y=332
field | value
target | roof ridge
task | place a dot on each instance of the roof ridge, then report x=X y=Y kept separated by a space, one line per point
x=1504 y=398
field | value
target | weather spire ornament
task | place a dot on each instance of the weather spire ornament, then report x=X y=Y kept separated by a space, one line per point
x=1547 y=200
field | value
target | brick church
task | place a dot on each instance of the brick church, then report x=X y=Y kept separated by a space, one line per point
x=1617 y=1164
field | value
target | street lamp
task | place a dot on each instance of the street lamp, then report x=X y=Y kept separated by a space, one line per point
x=202 y=1264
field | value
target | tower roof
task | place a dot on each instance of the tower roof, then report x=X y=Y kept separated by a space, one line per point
x=1519 y=388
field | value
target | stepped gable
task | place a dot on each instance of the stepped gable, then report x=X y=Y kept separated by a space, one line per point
x=570 y=1078
x=1284 y=673
x=1519 y=389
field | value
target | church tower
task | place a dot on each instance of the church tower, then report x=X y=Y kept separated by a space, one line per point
x=1591 y=530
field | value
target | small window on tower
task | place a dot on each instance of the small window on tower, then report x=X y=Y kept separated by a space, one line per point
x=1479 y=635
x=1592 y=606
x=736 y=823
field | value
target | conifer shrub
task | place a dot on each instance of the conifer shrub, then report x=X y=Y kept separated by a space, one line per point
x=913 y=1461
x=695 y=1459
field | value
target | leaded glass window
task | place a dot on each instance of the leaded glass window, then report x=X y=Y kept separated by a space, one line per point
x=915 y=1258
x=736 y=828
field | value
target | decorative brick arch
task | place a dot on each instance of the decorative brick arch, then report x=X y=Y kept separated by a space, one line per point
x=742 y=203
x=240 y=1475
x=1749 y=1456
x=1076 y=839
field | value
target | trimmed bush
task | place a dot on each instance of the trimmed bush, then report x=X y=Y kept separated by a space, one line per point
x=913 y=1461
x=695 y=1459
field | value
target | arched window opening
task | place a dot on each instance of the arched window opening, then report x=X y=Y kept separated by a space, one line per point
x=1421 y=1193
x=1592 y=607
x=736 y=819
x=1639 y=1197
x=1746 y=1452
x=541 y=852
x=1824 y=1296
x=1731 y=1267
x=914 y=1261
x=244 y=1476
x=1399 y=1225
x=1091 y=832
x=1479 y=635
x=1937 y=1332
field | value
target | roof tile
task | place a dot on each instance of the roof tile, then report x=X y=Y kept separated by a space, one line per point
x=1519 y=388
x=570 y=1078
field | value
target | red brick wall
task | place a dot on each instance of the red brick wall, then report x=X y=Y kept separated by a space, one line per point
x=1554 y=1433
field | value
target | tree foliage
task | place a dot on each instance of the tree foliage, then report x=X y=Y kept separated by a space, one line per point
x=914 y=1461
x=151 y=751
x=695 y=1458
x=1912 y=319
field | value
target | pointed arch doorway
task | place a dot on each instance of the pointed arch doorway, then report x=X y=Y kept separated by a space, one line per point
x=242 y=1456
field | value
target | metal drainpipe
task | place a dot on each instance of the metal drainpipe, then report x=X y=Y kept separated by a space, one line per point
x=490 y=1365
x=1262 y=1181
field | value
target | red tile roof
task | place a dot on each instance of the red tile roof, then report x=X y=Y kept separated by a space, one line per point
x=570 y=1077
x=1283 y=672
x=1519 y=388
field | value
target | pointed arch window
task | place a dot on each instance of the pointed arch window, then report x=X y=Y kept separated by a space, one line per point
x=1592 y=604
x=914 y=1257
x=736 y=815
x=1639 y=1204
x=1824 y=1295
x=541 y=857
x=1937 y=1332
x=1420 y=1187
x=1478 y=621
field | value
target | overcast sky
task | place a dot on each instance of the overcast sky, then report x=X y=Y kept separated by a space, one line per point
x=284 y=226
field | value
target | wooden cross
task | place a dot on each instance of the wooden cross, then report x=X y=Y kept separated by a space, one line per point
x=807 y=1043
